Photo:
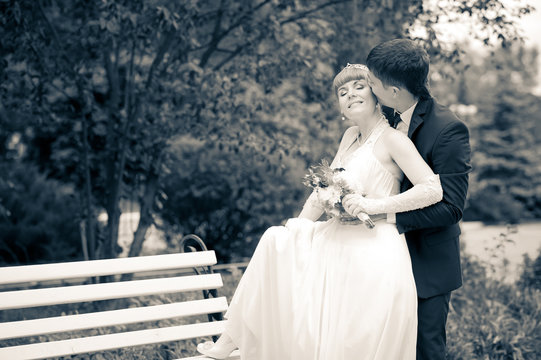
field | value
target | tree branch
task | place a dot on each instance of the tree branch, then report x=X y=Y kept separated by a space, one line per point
x=232 y=55
x=129 y=93
x=112 y=76
x=308 y=12
x=56 y=38
x=87 y=191
x=162 y=50
x=123 y=146
x=242 y=18
x=48 y=22
x=217 y=36
x=238 y=49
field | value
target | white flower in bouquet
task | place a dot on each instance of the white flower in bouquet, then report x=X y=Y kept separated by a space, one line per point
x=331 y=185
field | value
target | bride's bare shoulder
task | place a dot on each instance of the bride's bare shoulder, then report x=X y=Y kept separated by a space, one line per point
x=390 y=135
x=351 y=130
x=396 y=141
x=350 y=133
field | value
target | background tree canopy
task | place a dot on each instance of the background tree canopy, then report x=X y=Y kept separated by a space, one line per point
x=206 y=113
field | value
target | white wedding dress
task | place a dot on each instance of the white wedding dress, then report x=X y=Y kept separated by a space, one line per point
x=328 y=291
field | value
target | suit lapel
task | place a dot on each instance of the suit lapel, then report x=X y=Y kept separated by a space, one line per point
x=416 y=120
x=418 y=115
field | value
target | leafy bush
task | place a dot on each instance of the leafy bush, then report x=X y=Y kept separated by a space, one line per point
x=492 y=320
x=229 y=199
x=531 y=275
x=38 y=222
x=490 y=206
x=505 y=182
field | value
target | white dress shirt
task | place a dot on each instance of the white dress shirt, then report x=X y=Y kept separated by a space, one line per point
x=405 y=119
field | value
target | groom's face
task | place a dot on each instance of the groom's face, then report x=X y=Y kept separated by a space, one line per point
x=385 y=94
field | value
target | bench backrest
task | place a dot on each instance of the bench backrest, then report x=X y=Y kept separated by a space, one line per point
x=63 y=283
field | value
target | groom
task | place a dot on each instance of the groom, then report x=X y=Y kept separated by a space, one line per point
x=399 y=78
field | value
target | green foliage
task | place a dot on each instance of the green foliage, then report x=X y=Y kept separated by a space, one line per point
x=100 y=89
x=531 y=275
x=489 y=319
x=110 y=83
x=223 y=195
x=40 y=222
x=506 y=183
x=492 y=93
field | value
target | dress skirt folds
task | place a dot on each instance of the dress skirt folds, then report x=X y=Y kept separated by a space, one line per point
x=326 y=291
x=329 y=291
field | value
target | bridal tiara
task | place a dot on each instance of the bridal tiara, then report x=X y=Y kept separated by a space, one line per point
x=356 y=66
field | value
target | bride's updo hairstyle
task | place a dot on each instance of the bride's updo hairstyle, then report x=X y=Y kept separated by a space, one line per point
x=349 y=73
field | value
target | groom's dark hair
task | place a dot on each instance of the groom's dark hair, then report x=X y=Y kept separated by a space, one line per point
x=403 y=63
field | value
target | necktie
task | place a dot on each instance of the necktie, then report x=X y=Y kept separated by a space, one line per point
x=402 y=127
x=396 y=119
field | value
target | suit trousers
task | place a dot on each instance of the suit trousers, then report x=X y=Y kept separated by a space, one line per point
x=432 y=317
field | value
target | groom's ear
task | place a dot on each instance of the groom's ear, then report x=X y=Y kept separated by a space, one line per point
x=395 y=90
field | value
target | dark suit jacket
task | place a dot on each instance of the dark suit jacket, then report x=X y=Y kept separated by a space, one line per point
x=432 y=233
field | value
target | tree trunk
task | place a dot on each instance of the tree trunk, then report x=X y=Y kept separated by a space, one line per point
x=87 y=196
x=114 y=167
x=145 y=219
x=109 y=250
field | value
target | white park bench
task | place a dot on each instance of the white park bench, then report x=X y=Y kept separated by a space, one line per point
x=61 y=283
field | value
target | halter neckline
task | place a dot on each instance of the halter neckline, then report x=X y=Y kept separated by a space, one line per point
x=373 y=131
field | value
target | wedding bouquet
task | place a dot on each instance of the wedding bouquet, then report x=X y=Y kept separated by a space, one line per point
x=331 y=186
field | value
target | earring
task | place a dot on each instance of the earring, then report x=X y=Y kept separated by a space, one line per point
x=343 y=118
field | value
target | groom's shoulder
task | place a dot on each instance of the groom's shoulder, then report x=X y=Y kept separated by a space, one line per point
x=443 y=116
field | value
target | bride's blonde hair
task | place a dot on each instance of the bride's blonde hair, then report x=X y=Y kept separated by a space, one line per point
x=349 y=73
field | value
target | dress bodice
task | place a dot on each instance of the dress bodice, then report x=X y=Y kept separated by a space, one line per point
x=365 y=173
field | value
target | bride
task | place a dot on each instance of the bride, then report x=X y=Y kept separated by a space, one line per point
x=330 y=290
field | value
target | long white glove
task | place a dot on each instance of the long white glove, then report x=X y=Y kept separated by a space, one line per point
x=312 y=209
x=421 y=195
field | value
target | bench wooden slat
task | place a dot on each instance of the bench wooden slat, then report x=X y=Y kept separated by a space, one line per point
x=59 y=324
x=93 y=292
x=111 y=341
x=80 y=269
x=235 y=355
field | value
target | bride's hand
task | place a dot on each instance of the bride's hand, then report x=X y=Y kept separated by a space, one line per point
x=354 y=204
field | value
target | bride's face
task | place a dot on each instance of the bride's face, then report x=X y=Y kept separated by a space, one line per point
x=356 y=99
